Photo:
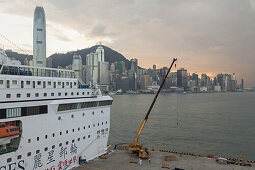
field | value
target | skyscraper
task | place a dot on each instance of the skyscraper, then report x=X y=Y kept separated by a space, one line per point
x=134 y=64
x=77 y=66
x=39 y=38
x=182 y=79
x=242 y=84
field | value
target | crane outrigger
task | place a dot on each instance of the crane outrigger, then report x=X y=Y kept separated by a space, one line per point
x=135 y=147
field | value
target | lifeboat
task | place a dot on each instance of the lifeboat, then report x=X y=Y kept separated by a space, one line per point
x=8 y=132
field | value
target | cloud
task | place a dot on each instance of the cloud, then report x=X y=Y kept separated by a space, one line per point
x=210 y=36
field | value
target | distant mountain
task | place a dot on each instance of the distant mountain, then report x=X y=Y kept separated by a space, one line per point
x=18 y=56
x=65 y=59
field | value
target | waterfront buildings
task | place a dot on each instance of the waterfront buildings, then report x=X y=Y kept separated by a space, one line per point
x=97 y=69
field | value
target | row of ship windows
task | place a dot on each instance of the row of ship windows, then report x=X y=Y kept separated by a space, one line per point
x=60 y=133
x=35 y=110
x=81 y=105
x=23 y=111
x=46 y=149
x=38 y=83
x=18 y=95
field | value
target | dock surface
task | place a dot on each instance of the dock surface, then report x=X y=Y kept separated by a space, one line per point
x=120 y=160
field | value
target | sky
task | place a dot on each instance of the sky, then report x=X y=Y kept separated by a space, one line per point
x=207 y=36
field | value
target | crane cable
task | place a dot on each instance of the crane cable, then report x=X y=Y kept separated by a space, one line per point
x=177 y=107
x=13 y=44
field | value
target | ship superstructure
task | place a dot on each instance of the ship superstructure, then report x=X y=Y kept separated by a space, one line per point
x=56 y=120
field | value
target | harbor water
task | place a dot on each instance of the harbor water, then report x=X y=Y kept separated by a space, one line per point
x=222 y=124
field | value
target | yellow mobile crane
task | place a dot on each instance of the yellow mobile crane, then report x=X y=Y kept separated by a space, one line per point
x=136 y=147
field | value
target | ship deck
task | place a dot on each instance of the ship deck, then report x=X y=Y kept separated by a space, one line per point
x=120 y=159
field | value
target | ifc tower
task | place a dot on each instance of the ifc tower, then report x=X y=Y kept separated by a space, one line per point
x=39 y=38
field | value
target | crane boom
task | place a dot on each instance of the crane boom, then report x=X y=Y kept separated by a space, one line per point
x=152 y=104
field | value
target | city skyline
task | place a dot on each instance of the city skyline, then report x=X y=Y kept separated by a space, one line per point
x=220 y=40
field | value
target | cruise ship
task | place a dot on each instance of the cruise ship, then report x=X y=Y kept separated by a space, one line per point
x=49 y=120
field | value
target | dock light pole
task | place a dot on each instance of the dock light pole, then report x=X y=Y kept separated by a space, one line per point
x=152 y=104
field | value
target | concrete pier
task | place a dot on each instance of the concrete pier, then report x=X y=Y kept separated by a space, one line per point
x=120 y=160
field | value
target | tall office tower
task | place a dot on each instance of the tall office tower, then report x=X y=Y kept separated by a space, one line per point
x=203 y=80
x=112 y=68
x=39 y=38
x=182 y=79
x=91 y=68
x=195 y=78
x=146 y=80
x=119 y=67
x=100 y=53
x=154 y=67
x=103 y=70
x=242 y=84
x=134 y=64
x=220 y=78
x=77 y=66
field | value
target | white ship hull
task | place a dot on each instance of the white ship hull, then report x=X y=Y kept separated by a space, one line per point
x=63 y=151
x=58 y=138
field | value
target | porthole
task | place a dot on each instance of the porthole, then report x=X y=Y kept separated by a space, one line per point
x=88 y=136
x=77 y=93
x=83 y=137
x=37 y=138
x=46 y=136
x=93 y=113
x=102 y=123
x=29 y=154
x=19 y=156
x=9 y=160
x=87 y=93
x=28 y=94
x=36 y=94
x=60 y=133
x=45 y=149
x=59 y=94
x=83 y=114
x=65 y=93
x=78 y=139
x=84 y=127
x=66 y=131
x=53 y=134
x=29 y=141
x=72 y=116
x=18 y=95
x=60 y=144
x=45 y=94
x=83 y=93
x=93 y=125
x=53 y=147
x=78 y=129
x=66 y=142
x=59 y=118
x=105 y=122
x=89 y=126
x=102 y=111
x=52 y=94
x=73 y=130
x=37 y=151
x=98 y=124
x=73 y=141
x=72 y=93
